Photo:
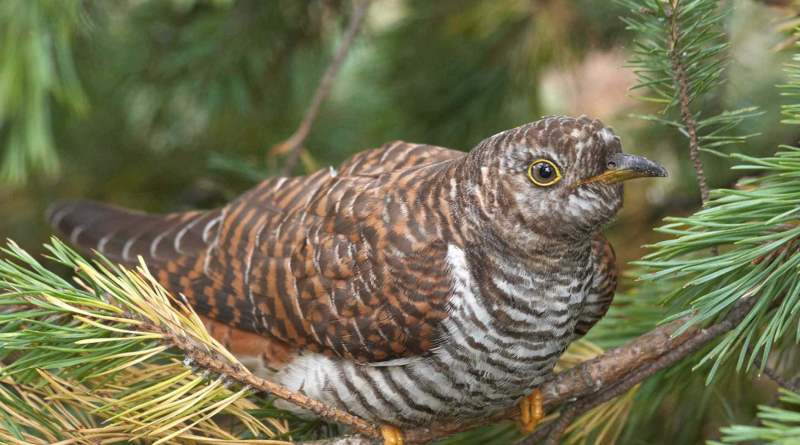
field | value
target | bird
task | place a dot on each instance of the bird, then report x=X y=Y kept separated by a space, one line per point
x=412 y=284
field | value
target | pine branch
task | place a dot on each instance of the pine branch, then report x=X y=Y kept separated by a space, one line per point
x=560 y=426
x=344 y=440
x=756 y=225
x=773 y=374
x=679 y=54
x=780 y=425
x=295 y=144
x=776 y=400
x=237 y=373
x=148 y=317
x=678 y=66
x=105 y=348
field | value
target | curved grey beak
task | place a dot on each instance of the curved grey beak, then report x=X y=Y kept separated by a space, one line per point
x=622 y=167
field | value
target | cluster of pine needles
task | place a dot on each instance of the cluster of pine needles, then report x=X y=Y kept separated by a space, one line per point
x=76 y=369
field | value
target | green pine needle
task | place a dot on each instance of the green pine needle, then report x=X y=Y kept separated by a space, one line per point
x=74 y=366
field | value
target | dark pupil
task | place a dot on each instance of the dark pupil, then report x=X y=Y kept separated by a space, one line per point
x=545 y=171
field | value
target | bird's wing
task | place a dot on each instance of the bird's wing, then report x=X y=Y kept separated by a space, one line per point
x=326 y=262
x=394 y=156
x=604 y=284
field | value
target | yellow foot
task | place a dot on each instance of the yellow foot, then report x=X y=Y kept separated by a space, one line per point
x=532 y=412
x=391 y=435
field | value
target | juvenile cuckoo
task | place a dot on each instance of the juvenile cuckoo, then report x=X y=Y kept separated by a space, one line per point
x=413 y=283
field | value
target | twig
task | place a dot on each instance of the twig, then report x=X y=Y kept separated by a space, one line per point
x=593 y=382
x=773 y=374
x=567 y=415
x=776 y=399
x=202 y=359
x=686 y=114
x=344 y=440
x=295 y=144
x=539 y=433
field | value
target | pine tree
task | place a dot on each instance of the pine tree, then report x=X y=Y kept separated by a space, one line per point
x=107 y=353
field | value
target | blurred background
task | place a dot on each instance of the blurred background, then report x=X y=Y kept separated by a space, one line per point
x=165 y=105
x=168 y=105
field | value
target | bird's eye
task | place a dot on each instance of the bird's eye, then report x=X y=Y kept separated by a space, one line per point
x=543 y=172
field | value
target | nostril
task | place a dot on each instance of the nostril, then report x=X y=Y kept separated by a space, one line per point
x=612 y=165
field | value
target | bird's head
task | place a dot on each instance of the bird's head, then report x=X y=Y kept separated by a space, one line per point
x=560 y=176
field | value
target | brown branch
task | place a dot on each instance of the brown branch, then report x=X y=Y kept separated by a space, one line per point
x=295 y=144
x=774 y=375
x=541 y=432
x=197 y=357
x=560 y=426
x=595 y=381
x=776 y=399
x=686 y=113
x=344 y=440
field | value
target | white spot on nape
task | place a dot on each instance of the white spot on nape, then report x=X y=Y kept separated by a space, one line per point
x=607 y=135
x=332 y=172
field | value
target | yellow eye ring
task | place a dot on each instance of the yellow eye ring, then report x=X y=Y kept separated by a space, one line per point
x=541 y=167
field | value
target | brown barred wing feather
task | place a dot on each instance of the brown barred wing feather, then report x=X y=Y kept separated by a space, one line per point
x=323 y=262
x=394 y=156
x=332 y=275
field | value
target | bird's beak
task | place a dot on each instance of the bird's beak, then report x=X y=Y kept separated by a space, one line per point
x=622 y=167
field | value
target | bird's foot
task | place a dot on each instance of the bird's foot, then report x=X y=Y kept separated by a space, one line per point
x=532 y=412
x=391 y=435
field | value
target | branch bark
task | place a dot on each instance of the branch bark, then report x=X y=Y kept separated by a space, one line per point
x=197 y=357
x=345 y=440
x=774 y=375
x=591 y=383
x=295 y=144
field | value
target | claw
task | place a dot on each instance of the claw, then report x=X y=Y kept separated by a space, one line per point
x=391 y=435
x=532 y=412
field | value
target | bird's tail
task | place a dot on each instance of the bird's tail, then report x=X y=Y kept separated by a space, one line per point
x=121 y=235
x=172 y=246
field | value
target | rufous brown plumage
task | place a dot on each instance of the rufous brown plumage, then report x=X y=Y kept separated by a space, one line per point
x=413 y=283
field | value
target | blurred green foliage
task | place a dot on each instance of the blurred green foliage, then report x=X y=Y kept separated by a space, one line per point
x=164 y=105
x=36 y=68
x=208 y=86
